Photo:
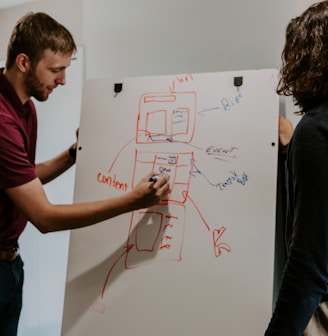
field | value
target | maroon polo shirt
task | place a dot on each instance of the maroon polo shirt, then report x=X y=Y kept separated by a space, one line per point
x=18 y=132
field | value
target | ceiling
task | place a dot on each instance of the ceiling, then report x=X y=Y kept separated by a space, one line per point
x=12 y=3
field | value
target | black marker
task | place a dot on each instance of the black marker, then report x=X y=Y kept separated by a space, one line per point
x=154 y=179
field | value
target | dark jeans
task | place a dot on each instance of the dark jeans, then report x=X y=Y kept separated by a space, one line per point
x=11 y=284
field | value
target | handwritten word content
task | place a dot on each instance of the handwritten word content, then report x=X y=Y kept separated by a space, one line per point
x=234 y=178
x=230 y=181
x=112 y=182
x=180 y=80
x=218 y=152
x=228 y=104
x=180 y=116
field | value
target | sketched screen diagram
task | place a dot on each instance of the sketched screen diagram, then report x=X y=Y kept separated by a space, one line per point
x=167 y=117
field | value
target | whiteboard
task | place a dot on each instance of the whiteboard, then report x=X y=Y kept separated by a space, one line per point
x=202 y=261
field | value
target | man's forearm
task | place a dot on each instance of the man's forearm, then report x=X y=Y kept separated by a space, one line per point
x=50 y=169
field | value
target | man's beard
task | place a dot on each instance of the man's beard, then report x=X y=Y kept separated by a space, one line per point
x=34 y=87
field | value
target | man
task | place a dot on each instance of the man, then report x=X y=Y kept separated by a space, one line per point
x=301 y=307
x=39 y=51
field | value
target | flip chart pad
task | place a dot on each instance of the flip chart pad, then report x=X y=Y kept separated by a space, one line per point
x=201 y=262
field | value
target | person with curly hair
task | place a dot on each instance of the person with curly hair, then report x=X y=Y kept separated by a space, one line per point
x=301 y=306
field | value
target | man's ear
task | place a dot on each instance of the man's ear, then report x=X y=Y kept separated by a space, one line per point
x=23 y=62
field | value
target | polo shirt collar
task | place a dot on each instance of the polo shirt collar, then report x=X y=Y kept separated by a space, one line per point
x=8 y=91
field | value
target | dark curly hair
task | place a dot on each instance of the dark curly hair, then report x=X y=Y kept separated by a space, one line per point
x=304 y=69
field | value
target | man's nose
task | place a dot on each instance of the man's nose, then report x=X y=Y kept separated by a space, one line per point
x=61 y=79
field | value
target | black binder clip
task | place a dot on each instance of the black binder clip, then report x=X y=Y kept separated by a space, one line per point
x=238 y=82
x=117 y=88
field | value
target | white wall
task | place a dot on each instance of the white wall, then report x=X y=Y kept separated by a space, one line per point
x=136 y=38
x=303 y=4
x=145 y=37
